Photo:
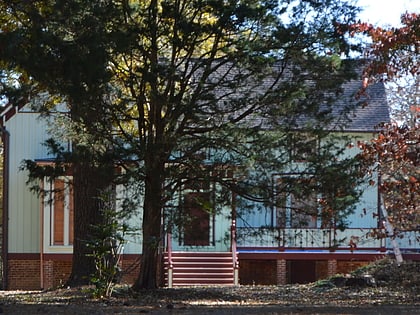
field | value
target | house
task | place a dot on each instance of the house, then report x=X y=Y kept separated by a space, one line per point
x=37 y=234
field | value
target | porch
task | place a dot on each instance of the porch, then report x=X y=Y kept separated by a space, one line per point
x=314 y=239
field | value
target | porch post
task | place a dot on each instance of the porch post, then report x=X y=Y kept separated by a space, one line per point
x=332 y=267
x=235 y=260
x=170 y=264
x=281 y=272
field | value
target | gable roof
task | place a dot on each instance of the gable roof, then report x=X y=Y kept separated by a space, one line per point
x=355 y=110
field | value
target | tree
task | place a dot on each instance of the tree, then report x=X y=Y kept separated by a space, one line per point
x=213 y=85
x=40 y=60
x=193 y=91
x=394 y=51
x=395 y=151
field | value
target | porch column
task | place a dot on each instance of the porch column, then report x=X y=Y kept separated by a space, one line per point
x=332 y=267
x=281 y=272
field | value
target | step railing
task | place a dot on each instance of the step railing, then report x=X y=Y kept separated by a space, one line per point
x=235 y=260
x=170 y=261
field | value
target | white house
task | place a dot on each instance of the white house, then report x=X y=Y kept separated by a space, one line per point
x=37 y=235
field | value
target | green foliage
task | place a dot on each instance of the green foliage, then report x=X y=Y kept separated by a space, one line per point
x=107 y=242
x=173 y=86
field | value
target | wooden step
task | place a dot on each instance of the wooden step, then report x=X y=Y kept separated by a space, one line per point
x=200 y=268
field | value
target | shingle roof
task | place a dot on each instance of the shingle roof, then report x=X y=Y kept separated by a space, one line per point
x=353 y=111
x=365 y=111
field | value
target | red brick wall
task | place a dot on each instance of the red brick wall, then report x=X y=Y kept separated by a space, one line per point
x=258 y=272
x=321 y=269
x=332 y=267
x=61 y=273
x=281 y=272
x=23 y=274
x=130 y=265
x=345 y=266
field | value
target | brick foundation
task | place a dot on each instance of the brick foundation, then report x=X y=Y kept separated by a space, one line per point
x=331 y=267
x=24 y=270
x=281 y=272
x=257 y=272
x=25 y=273
x=56 y=273
x=346 y=266
x=130 y=266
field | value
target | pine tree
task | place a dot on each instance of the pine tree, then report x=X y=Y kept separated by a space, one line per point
x=189 y=91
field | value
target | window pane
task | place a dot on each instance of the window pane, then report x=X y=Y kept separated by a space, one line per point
x=197 y=219
x=58 y=237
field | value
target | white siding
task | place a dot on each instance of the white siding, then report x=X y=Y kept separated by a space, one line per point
x=134 y=241
x=364 y=216
x=26 y=135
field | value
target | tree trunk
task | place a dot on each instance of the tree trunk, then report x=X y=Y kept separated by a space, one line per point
x=152 y=210
x=90 y=183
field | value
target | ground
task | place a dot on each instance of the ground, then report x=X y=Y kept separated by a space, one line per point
x=389 y=289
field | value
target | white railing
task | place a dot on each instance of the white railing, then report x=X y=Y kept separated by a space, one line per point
x=235 y=260
x=406 y=240
x=351 y=238
x=170 y=262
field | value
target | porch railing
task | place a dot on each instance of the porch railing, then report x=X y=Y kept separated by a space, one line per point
x=235 y=260
x=352 y=238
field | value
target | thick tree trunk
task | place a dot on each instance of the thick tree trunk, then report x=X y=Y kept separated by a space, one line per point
x=90 y=183
x=152 y=212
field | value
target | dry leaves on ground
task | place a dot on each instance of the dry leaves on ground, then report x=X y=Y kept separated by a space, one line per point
x=394 y=290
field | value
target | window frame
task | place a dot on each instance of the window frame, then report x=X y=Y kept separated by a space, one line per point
x=48 y=213
x=192 y=189
x=283 y=217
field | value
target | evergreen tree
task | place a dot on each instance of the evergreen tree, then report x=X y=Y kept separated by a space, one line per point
x=191 y=91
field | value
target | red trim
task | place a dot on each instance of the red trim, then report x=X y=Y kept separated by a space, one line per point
x=131 y=256
x=23 y=256
x=58 y=257
x=10 y=113
x=10 y=110
x=412 y=256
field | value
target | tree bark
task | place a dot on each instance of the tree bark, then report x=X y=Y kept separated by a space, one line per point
x=90 y=185
x=152 y=213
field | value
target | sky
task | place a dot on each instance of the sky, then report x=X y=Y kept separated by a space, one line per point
x=386 y=12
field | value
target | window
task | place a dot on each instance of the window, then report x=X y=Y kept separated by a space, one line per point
x=296 y=203
x=58 y=213
x=197 y=204
x=197 y=208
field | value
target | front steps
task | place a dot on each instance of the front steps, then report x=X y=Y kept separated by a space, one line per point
x=199 y=269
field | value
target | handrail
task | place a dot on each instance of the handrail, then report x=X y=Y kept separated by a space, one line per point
x=235 y=260
x=170 y=262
